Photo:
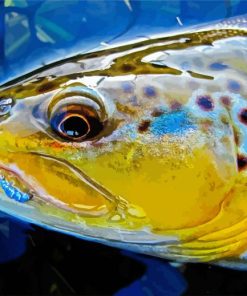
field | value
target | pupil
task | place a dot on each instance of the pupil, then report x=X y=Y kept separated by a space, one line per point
x=75 y=127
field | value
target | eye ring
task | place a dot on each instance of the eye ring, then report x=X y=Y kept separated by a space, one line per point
x=78 y=113
x=74 y=126
x=75 y=122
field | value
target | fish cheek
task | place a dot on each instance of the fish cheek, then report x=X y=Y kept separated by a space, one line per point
x=177 y=183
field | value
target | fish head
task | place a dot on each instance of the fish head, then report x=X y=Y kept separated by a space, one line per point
x=108 y=155
x=139 y=160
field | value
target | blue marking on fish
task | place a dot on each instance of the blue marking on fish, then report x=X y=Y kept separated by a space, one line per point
x=13 y=192
x=171 y=123
x=218 y=66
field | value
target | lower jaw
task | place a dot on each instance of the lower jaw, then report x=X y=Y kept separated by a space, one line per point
x=20 y=184
x=11 y=176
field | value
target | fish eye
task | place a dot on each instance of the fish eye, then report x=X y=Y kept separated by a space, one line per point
x=77 y=114
x=76 y=122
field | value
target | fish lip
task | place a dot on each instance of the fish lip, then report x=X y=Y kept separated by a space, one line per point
x=42 y=198
x=31 y=190
x=83 y=176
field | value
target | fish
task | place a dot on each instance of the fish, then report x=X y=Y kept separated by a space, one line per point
x=140 y=145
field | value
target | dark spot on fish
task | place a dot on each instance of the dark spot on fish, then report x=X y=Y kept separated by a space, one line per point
x=149 y=91
x=157 y=113
x=242 y=162
x=233 y=85
x=224 y=120
x=19 y=88
x=138 y=45
x=205 y=103
x=226 y=101
x=73 y=76
x=92 y=55
x=128 y=67
x=143 y=126
x=125 y=108
x=237 y=136
x=218 y=66
x=243 y=116
x=45 y=87
x=127 y=87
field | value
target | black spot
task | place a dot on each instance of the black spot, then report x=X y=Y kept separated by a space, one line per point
x=159 y=66
x=242 y=162
x=92 y=55
x=205 y=102
x=137 y=45
x=45 y=87
x=243 y=116
x=144 y=125
x=157 y=113
x=128 y=67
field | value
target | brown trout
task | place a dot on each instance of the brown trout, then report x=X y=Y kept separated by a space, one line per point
x=141 y=146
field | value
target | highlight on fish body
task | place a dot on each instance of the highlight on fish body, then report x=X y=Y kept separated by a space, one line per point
x=141 y=146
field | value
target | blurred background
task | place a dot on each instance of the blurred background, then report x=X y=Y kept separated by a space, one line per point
x=40 y=262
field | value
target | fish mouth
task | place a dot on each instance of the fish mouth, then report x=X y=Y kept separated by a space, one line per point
x=55 y=181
